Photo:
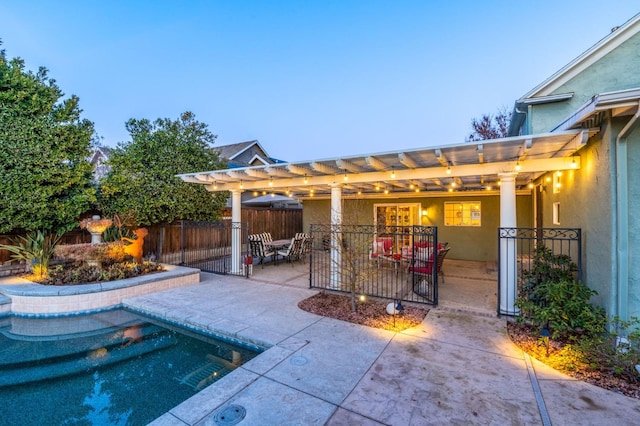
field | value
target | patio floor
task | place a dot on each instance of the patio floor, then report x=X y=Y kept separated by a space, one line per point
x=456 y=367
x=468 y=285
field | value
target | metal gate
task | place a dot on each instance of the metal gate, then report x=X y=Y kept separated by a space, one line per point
x=523 y=252
x=207 y=245
x=390 y=262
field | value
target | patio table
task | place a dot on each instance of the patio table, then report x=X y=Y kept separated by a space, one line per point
x=276 y=245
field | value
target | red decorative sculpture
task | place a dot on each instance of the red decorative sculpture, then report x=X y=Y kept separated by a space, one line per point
x=135 y=248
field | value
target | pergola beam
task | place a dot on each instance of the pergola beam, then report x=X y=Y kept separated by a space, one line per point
x=431 y=173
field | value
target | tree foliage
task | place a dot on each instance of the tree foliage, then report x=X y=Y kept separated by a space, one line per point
x=490 y=126
x=44 y=146
x=142 y=186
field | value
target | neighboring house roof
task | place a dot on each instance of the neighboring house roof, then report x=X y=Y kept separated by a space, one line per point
x=274 y=201
x=98 y=159
x=244 y=154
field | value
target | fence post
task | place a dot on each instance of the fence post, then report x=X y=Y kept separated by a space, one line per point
x=182 y=242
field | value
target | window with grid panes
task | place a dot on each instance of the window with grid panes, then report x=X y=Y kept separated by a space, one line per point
x=464 y=213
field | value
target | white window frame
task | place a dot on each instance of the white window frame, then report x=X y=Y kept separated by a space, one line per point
x=474 y=209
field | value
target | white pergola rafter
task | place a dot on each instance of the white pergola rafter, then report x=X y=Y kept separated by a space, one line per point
x=325 y=169
x=408 y=161
x=434 y=174
x=349 y=166
x=376 y=163
x=475 y=164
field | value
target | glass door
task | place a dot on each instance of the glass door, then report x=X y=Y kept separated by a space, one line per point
x=396 y=220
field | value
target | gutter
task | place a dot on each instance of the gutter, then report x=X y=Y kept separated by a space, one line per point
x=620 y=204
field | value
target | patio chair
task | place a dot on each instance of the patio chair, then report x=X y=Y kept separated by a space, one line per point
x=382 y=251
x=307 y=244
x=294 y=251
x=425 y=268
x=259 y=250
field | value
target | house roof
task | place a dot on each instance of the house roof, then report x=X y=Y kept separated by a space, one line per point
x=596 y=52
x=231 y=151
x=467 y=167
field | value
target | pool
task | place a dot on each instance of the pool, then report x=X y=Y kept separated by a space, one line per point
x=115 y=367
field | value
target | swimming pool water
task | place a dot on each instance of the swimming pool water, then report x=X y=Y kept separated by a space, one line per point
x=111 y=368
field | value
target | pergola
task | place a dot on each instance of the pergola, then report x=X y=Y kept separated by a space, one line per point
x=502 y=165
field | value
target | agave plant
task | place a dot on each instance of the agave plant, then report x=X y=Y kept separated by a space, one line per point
x=36 y=250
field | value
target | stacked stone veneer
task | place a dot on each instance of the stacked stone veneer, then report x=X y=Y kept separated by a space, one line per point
x=27 y=298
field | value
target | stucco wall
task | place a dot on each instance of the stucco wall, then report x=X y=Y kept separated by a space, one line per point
x=617 y=70
x=633 y=167
x=467 y=243
x=585 y=203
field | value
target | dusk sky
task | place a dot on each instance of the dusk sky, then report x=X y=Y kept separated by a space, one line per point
x=308 y=79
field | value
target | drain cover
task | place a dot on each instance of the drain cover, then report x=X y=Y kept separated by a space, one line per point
x=298 y=360
x=230 y=415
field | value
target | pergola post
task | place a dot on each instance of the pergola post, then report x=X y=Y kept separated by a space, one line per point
x=336 y=236
x=236 y=231
x=508 y=253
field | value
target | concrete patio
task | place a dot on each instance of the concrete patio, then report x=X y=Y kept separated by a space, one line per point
x=457 y=367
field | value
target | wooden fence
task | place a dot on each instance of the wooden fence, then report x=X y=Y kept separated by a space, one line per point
x=281 y=223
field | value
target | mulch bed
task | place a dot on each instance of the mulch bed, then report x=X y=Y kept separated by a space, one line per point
x=560 y=358
x=371 y=313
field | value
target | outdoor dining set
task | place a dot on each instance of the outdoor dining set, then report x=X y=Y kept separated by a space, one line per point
x=419 y=259
x=263 y=246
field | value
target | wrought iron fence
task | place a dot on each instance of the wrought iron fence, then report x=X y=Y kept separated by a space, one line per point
x=207 y=246
x=376 y=261
x=527 y=256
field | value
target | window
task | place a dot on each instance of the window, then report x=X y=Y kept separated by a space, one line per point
x=465 y=213
x=556 y=213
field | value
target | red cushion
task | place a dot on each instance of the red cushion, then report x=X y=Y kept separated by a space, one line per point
x=426 y=269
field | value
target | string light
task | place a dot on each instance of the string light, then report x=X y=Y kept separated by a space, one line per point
x=448 y=170
x=518 y=166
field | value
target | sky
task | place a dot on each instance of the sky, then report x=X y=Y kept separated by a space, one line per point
x=308 y=79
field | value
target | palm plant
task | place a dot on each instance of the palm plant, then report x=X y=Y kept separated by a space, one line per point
x=36 y=250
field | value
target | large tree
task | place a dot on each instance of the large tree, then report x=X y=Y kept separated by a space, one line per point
x=45 y=178
x=490 y=126
x=142 y=186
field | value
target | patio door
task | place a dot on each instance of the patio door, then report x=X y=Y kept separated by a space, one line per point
x=397 y=220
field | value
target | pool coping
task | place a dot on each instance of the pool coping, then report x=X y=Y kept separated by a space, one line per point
x=28 y=298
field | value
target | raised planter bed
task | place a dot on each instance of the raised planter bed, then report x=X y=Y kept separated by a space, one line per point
x=28 y=298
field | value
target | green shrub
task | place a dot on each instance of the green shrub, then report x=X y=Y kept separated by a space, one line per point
x=607 y=353
x=545 y=266
x=82 y=273
x=565 y=310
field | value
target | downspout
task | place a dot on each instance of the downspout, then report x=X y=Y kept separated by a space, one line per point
x=621 y=218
